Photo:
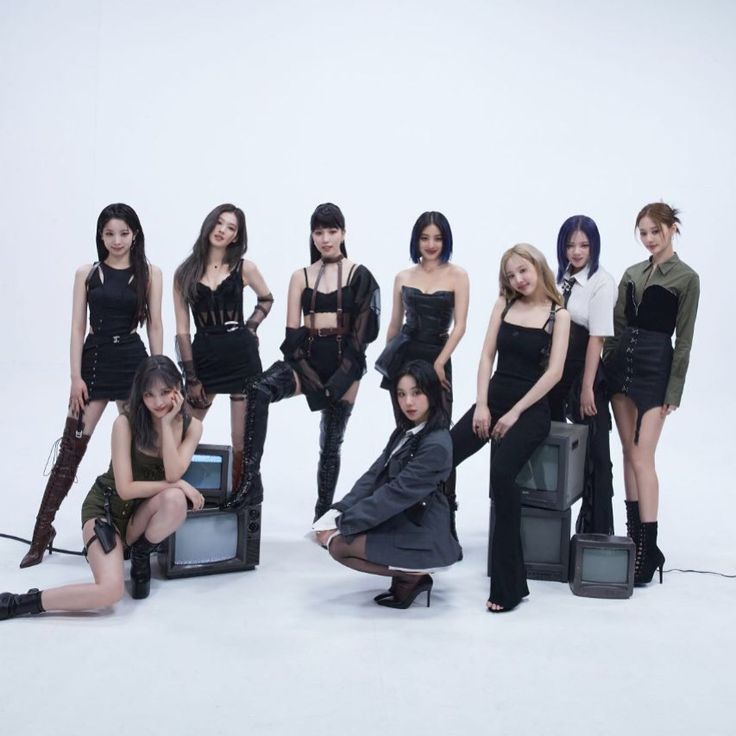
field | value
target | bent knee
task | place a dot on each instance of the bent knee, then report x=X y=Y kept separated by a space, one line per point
x=108 y=594
x=173 y=501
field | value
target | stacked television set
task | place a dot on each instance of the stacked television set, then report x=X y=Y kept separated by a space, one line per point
x=212 y=540
x=550 y=483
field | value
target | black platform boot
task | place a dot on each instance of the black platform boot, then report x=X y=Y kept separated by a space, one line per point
x=72 y=446
x=19 y=604
x=275 y=384
x=649 y=557
x=331 y=432
x=140 y=567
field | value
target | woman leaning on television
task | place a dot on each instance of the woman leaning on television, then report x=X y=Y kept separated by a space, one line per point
x=138 y=502
x=656 y=299
x=529 y=330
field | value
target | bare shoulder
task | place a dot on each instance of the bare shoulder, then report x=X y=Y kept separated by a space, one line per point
x=194 y=430
x=155 y=271
x=403 y=277
x=562 y=316
x=121 y=426
x=249 y=268
x=83 y=270
x=458 y=275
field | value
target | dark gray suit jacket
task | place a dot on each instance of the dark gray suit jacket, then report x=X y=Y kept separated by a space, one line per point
x=398 y=505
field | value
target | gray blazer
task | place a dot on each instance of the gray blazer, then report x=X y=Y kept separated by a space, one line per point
x=398 y=505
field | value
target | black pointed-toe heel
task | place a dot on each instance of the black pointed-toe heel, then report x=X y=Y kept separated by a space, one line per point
x=425 y=583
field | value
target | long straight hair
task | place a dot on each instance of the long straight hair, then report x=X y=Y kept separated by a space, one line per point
x=151 y=370
x=325 y=215
x=536 y=258
x=189 y=273
x=138 y=262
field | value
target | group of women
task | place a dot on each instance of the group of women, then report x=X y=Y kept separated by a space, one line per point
x=564 y=346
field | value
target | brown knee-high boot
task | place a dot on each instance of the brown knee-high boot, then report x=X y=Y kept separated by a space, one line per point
x=71 y=451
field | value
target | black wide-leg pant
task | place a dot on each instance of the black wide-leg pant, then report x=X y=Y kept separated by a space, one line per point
x=508 y=455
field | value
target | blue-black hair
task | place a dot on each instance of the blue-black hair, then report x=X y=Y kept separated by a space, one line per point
x=431 y=218
x=569 y=228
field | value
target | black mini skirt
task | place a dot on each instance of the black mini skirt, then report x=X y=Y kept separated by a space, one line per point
x=225 y=361
x=109 y=364
x=640 y=369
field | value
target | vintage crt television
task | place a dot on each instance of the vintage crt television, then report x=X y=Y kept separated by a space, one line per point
x=210 y=472
x=213 y=541
x=602 y=566
x=553 y=477
x=545 y=539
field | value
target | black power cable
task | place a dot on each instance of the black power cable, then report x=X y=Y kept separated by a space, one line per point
x=53 y=549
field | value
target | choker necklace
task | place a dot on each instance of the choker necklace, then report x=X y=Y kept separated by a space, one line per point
x=336 y=259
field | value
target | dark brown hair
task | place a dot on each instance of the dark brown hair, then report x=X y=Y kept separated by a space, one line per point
x=661 y=213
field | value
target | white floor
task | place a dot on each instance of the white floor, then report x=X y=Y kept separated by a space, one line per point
x=299 y=646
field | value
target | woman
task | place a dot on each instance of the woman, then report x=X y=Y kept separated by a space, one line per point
x=529 y=331
x=434 y=296
x=324 y=358
x=223 y=359
x=122 y=290
x=589 y=294
x=139 y=501
x=396 y=520
x=656 y=298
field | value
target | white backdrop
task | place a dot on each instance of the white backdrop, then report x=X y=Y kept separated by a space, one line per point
x=506 y=116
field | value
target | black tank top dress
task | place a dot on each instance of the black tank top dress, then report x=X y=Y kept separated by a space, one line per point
x=427 y=321
x=640 y=367
x=112 y=350
x=224 y=350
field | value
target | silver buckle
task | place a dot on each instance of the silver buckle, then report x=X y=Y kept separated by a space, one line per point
x=231 y=326
x=115 y=339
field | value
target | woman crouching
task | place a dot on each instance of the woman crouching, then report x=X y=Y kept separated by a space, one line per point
x=396 y=520
x=141 y=499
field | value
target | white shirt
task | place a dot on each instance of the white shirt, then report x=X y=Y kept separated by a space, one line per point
x=592 y=300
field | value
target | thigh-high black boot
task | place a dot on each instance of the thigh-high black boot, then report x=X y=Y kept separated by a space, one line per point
x=275 y=384
x=331 y=432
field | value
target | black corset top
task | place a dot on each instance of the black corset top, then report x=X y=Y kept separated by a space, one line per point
x=214 y=308
x=428 y=317
x=657 y=310
x=522 y=351
x=327 y=301
x=112 y=300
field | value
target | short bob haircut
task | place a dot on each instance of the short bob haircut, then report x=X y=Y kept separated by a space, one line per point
x=587 y=226
x=424 y=220
x=429 y=384
x=326 y=215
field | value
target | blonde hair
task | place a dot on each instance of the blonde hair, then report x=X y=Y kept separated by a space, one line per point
x=536 y=258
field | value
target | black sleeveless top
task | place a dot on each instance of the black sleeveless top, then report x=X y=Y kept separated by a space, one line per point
x=326 y=302
x=428 y=316
x=523 y=352
x=657 y=310
x=221 y=306
x=112 y=300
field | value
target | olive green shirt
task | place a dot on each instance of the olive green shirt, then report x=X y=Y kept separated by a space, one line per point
x=679 y=279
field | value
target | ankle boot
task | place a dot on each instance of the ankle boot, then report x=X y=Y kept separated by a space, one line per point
x=331 y=432
x=649 y=557
x=140 y=567
x=72 y=446
x=275 y=384
x=19 y=604
x=632 y=520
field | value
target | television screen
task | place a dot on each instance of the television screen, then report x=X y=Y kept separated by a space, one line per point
x=545 y=541
x=204 y=472
x=605 y=565
x=213 y=541
x=210 y=472
x=602 y=566
x=552 y=478
x=542 y=470
x=540 y=539
x=206 y=539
